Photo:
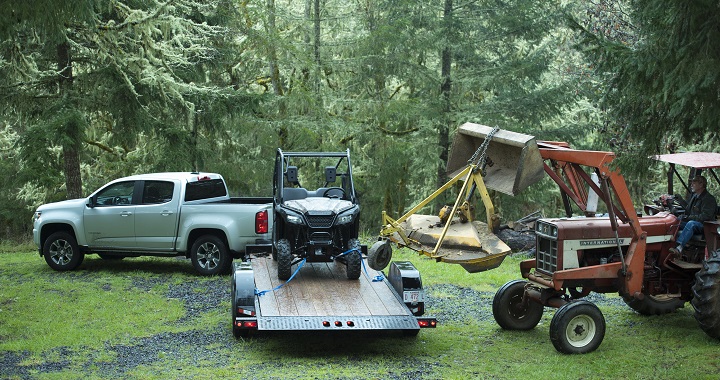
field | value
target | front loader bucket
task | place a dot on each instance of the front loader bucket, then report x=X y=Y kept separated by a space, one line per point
x=513 y=159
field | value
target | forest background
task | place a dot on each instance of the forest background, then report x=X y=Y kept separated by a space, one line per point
x=93 y=90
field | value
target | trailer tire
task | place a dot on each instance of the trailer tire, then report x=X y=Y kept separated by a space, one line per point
x=577 y=328
x=353 y=260
x=508 y=310
x=379 y=255
x=651 y=305
x=210 y=256
x=706 y=295
x=61 y=252
x=284 y=259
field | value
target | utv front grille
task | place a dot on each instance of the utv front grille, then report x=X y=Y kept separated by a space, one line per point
x=546 y=254
x=320 y=221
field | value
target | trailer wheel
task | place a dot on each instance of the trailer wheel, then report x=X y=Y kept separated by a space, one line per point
x=210 y=256
x=653 y=305
x=577 y=328
x=706 y=295
x=509 y=311
x=379 y=255
x=61 y=252
x=353 y=260
x=284 y=259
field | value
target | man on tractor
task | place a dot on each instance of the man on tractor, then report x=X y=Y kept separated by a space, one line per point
x=701 y=206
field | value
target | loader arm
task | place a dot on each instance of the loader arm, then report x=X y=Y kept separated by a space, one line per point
x=565 y=168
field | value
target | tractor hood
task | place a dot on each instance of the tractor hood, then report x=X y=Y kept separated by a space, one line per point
x=311 y=205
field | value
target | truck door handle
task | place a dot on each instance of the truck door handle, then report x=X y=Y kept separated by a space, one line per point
x=166 y=213
x=126 y=213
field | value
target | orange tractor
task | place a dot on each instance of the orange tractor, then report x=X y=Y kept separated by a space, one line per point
x=620 y=251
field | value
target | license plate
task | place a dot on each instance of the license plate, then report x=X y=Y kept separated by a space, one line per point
x=414 y=296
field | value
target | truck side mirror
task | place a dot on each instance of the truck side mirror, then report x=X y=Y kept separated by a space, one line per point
x=92 y=201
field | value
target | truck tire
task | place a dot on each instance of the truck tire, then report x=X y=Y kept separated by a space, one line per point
x=706 y=295
x=353 y=260
x=653 y=305
x=508 y=310
x=61 y=252
x=284 y=259
x=379 y=255
x=210 y=256
x=577 y=328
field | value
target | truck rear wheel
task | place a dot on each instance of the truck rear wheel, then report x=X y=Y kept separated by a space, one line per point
x=61 y=252
x=577 y=328
x=284 y=259
x=509 y=311
x=353 y=260
x=210 y=256
x=706 y=295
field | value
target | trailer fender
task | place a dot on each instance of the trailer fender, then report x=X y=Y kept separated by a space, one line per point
x=243 y=282
x=406 y=281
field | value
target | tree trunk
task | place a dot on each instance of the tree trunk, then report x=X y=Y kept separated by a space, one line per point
x=70 y=149
x=445 y=89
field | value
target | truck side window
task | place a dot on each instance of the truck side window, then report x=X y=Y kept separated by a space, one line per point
x=155 y=192
x=120 y=193
x=204 y=189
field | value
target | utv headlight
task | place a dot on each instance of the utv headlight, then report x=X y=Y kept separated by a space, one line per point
x=294 y=219
x=345 y=219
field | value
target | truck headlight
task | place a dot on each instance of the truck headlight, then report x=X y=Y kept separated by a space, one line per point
x=345 y=219
x=36 y=216
x=294 y=219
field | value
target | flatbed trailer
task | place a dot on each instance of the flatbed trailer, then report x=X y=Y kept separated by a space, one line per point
x=319 y=297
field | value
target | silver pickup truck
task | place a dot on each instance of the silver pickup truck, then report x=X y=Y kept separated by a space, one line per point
x=161 y=214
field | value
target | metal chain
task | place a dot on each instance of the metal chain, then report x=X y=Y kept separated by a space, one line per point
x=482 y=152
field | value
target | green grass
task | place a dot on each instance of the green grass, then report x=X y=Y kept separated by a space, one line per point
x=87 y=323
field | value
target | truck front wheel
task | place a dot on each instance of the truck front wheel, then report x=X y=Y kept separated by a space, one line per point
x=61 y=252
x=210 y=256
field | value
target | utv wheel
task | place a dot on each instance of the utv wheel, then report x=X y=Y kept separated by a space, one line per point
x=210 y=256
x=509 y=311
x=653 y=305
x=61 y=252
x=284 y=259
x=706 y=295
x=353 y=260
x=577 y=328
x=379 y=255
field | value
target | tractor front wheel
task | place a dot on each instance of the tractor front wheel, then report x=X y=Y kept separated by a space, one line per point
x=577 y=328
x=509 y=310
x=379 y=254
x=706 y=295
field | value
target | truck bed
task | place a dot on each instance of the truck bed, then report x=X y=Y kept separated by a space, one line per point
x=320 y=297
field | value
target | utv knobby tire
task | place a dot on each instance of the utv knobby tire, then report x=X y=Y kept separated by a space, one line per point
x=284 y=259
x=577 y=328
x=652 y=305
x=61 y=252
x=210 y=256
x=508 y=309
x=706 y=295
x=379 y=255
x=353 y=260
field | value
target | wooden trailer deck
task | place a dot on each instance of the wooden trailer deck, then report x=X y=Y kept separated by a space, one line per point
x=320 y=293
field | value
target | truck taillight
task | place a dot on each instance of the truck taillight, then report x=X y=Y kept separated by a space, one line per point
x=261 y=222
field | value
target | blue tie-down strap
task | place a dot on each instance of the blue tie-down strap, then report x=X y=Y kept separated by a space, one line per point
x=263 y=292
x=377 y=278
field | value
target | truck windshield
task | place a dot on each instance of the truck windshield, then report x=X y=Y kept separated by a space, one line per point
x=211 y=188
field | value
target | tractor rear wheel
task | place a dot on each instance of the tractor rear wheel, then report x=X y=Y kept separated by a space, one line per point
x=653 y=305
x=510 y=312
x=284 y=259
x=577 y=328
x=706 y=295
x=353 y=260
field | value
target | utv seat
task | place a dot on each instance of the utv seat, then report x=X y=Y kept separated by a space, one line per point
x=294 y=193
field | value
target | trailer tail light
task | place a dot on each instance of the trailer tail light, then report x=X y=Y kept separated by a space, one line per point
x=247 y=324
x=427 y=323
x=261 y=222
